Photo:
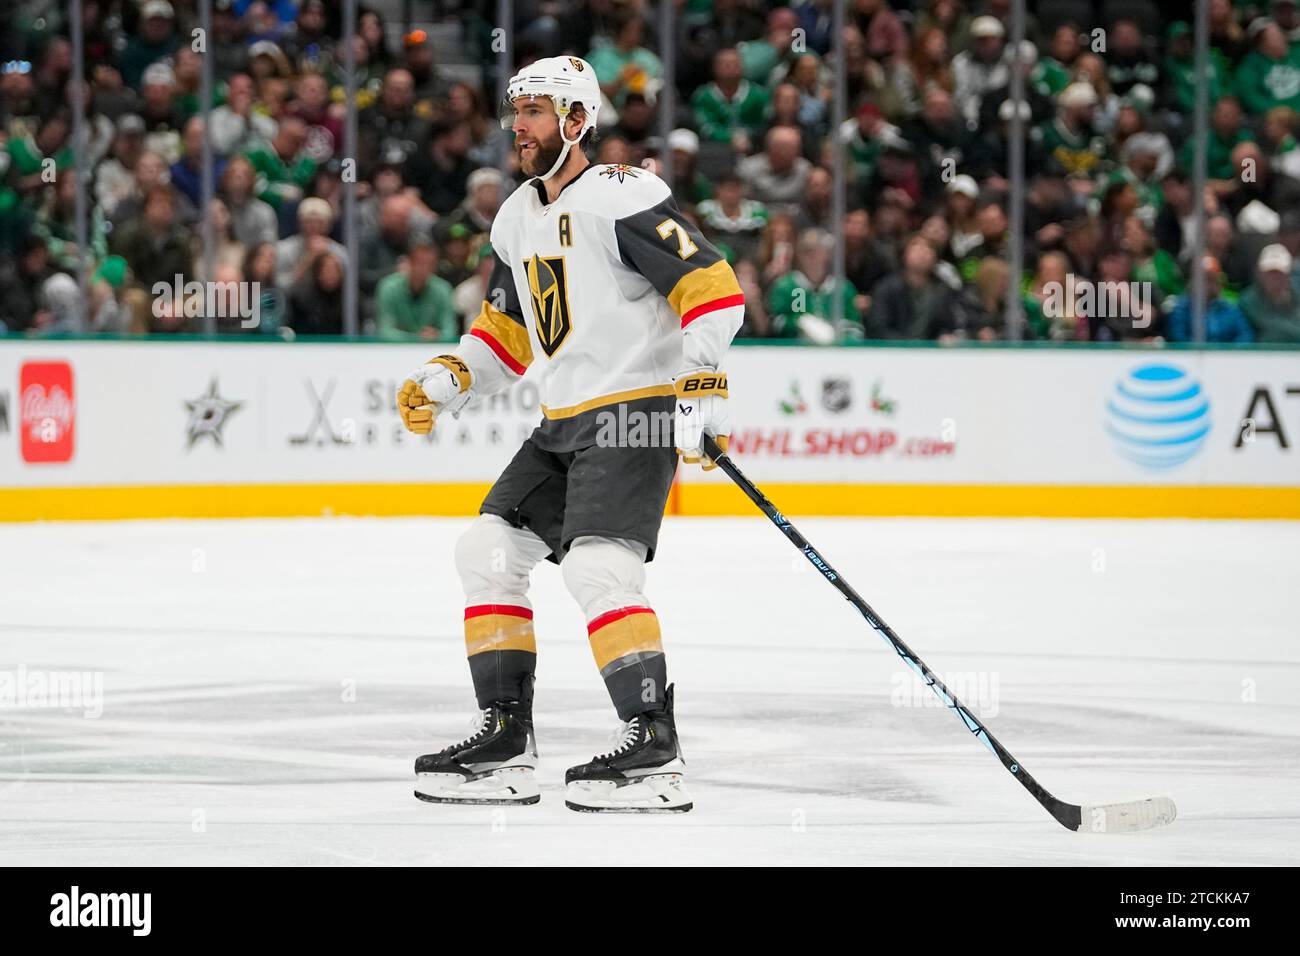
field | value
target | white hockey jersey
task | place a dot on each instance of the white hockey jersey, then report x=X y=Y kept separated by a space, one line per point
x=609 y=289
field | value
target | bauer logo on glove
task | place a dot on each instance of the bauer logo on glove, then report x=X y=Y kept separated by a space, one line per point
x=701 y=409
x=441 y=384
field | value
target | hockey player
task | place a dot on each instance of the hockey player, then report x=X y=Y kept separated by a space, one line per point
x=624 y=311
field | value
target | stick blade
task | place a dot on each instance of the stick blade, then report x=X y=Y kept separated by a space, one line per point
x=1127 y=817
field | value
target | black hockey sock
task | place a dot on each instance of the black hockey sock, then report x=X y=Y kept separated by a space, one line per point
x=502 y=675
x=639 y=685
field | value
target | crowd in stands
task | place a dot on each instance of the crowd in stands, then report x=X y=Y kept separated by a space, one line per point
x=1110 y=91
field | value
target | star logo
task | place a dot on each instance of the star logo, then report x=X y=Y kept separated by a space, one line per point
x=621 y=170
x=208 y=414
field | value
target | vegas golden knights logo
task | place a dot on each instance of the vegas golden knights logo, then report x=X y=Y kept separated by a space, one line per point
x=549 y=286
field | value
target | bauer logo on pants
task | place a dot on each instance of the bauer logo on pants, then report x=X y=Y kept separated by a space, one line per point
x=47 y=411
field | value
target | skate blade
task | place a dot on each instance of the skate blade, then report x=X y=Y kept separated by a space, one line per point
x=656 y=793
x=509 y=785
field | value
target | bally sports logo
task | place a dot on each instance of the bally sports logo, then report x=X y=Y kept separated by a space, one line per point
x=47 y=411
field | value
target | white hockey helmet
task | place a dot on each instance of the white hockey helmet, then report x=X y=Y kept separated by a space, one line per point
x=566 y=80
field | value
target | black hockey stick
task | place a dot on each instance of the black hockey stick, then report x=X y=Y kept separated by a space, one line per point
x=1103 y=818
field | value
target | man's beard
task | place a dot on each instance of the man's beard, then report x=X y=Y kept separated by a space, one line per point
x=544 y=158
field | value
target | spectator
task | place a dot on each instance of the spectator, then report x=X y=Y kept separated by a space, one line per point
x=732 y=221
x=1051 y=74
x=115 y=180
x=316 y=300
x=1269 y=75
x=778 y=175
x=488 y=141
x=483 y=195
x=760 y=57
x=254 y=221
x=885 y=35
x=939 y=136
x=1128 y=63
x=162 y=120
x=414 y=303
x=309 y=42
x=227 y=48
x=456 y=262
x=295 y=254
x=866 y=259
x=156 y=248
x=187 y=172
x=801 y=303
x=151 y=170
x=311 y=104
x=625 y=66
x=926 y=68
x=980 y=70
x=913 y=304
x=237 y=125
x=1069 y=143
x=1226 y=131
x=1224 y=321
x=1151 y=264
x=282 y=165
x=469 y=295
x=392 y=127
x=442 y=173
x=260 y=267
x=227 y=251
x=156 y=40
x=23 y=304
x=1272 y=304
x=383 y=249
x=730 y=109
x=690 y=186
x=1180 y=73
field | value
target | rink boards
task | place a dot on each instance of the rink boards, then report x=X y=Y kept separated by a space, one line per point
x=213 y=429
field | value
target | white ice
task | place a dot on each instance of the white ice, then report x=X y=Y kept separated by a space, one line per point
x=267 y=684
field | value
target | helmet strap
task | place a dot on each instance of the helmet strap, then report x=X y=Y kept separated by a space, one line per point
x=568 y=144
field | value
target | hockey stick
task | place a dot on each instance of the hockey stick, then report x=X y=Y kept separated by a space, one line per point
x=1100 y=818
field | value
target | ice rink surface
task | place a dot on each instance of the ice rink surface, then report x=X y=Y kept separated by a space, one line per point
x=267 y=684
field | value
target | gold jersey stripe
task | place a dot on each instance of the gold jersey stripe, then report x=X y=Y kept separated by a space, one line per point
x=703 y=285
x=630 y=395
x=511 y=335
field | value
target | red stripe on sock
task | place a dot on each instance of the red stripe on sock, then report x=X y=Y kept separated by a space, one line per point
x=610 y=617
x=513 y=610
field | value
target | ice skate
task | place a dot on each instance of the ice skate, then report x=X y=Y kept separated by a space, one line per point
x=494 y=765
x=645 y=773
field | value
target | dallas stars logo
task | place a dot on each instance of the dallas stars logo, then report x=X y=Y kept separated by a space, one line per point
x=621 y=170
x=208 y=414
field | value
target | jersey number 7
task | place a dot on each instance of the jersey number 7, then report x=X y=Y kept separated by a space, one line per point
x=685 y=247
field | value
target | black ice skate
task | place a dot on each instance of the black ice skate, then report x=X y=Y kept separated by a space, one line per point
x=494 y=765
x=645 y=772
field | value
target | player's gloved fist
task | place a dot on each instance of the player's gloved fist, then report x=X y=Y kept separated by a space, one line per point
x=429 y=389
x=701 y=409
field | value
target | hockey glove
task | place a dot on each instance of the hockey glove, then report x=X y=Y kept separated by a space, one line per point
x=441 y=383
x=701 y=409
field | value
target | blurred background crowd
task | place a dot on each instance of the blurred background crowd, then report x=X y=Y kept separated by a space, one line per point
x=1109 y=98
